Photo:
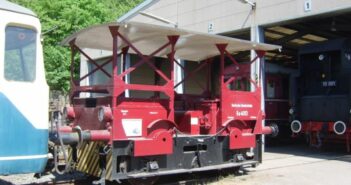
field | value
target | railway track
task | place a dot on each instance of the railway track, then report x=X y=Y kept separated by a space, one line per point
x=81 y=179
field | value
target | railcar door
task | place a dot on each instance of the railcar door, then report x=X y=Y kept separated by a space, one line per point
x=276 y=102
x=23 y=95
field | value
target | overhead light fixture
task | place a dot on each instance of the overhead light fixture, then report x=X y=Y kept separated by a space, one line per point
x=252 y=4
x=253 y=8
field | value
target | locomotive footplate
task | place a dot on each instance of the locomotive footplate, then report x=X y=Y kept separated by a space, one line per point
x=190 y=154
x=194 y=170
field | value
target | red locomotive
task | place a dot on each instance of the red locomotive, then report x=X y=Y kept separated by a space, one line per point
x=124 y=130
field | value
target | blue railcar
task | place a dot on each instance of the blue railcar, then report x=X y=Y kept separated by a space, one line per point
x=23 y=92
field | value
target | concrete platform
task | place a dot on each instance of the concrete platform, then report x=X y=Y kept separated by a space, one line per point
x=296 y=165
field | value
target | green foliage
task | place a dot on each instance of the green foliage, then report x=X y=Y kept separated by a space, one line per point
x=64 y=17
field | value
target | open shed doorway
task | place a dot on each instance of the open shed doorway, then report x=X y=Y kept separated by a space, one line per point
x=282 y=66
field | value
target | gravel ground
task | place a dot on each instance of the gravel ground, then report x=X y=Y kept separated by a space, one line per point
x=18 y=179
x=45 y=179
x=296 y=165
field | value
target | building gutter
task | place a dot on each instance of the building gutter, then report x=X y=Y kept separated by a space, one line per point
x=135 y=11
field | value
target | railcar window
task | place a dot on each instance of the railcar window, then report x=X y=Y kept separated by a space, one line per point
x=20 y=54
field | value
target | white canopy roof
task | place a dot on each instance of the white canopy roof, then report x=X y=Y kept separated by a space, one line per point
x=147 y=38
x=8 y=6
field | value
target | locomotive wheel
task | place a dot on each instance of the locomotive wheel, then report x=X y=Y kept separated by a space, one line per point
x=143 y=181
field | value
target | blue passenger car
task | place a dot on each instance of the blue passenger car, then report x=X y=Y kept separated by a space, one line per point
x=23 y=92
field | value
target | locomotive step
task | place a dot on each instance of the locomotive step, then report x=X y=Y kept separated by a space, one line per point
x=194 y=170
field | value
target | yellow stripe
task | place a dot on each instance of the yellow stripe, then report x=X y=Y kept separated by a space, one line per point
x=109 y=166
x=95 y=166
x=88 y=159
x=93 y=163
x=82 y=156
x=69 y=153
x=90 y=156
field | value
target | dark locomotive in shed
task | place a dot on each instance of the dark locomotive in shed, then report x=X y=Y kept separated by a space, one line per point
x=321 y=105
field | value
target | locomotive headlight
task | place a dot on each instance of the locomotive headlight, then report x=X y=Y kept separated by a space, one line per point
x=320 y=57
x=291 y=111
x=104 y=114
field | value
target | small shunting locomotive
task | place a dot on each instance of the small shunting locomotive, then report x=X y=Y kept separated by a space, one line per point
x=127 y=121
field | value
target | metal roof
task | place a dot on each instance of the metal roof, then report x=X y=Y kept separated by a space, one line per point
x=193 y=46
x=6 y=5
x=293 y=35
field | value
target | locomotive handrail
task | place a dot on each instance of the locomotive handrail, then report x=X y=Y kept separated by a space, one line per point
x=191 y=73
x=233 y=76
x=144 y=59
x=75 y=47
x=93 y=88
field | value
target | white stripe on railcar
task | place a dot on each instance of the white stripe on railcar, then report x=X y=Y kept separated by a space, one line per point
x=10 y=158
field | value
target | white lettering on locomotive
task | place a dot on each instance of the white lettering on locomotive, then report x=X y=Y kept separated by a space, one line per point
x=328 y=83
x=242 y=113
x=242 y=105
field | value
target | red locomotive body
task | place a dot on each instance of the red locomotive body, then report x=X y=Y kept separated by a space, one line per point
x=160 y=131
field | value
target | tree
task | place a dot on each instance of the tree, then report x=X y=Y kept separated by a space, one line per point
x=60 y=19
